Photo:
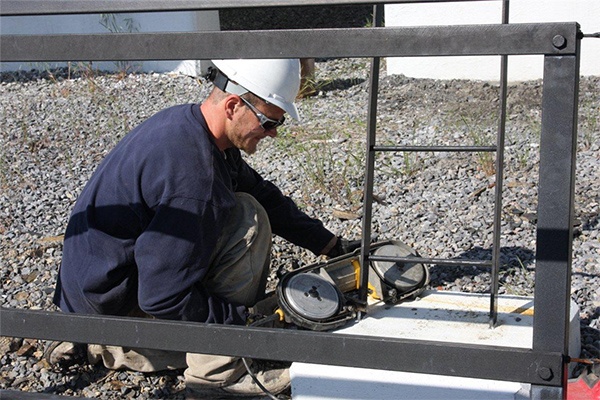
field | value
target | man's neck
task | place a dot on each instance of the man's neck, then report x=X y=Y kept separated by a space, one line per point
x=216 y=126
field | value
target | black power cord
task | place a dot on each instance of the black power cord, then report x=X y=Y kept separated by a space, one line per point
x=263 y=321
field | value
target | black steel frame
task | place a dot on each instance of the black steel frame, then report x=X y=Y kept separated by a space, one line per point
x=544 y=366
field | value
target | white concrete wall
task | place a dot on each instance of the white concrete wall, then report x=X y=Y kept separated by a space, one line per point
x=141 y=22
x=585 y=12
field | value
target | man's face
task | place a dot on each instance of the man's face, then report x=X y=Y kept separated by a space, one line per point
x=246 y=131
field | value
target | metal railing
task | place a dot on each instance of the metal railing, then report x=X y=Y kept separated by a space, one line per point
x=544 y=366
x=494 y=264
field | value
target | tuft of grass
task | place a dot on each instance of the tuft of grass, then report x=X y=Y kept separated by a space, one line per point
x=481 y=136
x=120 y=25
x=412 y=163
x=524 y=286
x=589 y=123
x=3 y=171
x=338 y=174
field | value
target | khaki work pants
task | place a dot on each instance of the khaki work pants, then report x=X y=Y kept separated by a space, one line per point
x=238 y=273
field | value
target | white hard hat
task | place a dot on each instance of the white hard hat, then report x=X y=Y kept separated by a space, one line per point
x=276 y=81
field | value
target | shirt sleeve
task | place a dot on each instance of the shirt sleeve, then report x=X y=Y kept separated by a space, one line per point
x=286 y=219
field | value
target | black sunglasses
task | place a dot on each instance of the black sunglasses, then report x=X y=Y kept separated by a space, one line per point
x=266 y=122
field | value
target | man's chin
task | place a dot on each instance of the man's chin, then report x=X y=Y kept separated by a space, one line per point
x=249 y=149
x=250 y=146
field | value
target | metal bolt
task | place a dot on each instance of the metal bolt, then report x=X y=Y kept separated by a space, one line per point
x=545 y=373
x=559 y=41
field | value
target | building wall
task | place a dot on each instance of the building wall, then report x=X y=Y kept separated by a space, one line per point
x=94 y=23
x=585 y=12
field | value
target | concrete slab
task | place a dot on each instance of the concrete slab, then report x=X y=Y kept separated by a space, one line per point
x=437 y=316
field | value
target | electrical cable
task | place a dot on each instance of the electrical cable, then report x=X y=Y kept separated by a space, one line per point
x=258 y=383
x=588 y=361
x=273 y=317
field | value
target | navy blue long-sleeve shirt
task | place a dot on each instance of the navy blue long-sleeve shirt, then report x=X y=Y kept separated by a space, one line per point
x=145 y=225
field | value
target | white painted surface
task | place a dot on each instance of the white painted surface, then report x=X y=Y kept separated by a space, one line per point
x=585 y=12
x=179 y=21
x=437 y=316
x=314 y=382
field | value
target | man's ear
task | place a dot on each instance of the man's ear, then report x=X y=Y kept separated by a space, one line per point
x=232 y=104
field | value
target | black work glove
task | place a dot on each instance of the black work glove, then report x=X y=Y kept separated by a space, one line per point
x=343 y=246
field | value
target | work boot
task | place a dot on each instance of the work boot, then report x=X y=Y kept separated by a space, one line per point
x=275 y=380
x=64 y=354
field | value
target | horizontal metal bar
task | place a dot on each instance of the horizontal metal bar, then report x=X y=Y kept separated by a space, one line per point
x=48 y=7
x=358 y=42
x=439 y=261
x=510 y=364
x=436 y=148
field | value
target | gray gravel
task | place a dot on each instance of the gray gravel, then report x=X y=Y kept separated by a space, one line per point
x=56 y=128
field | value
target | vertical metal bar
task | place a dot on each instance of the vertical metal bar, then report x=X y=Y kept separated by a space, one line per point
x=499 y=178
x=555 y=215
x=370 y=165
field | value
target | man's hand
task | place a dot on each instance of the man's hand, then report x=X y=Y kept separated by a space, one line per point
x=343 y=246
x=264 y=307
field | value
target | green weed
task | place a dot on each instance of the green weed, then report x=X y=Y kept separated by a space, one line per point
x=589 y=123
x=323 y=167
x=123 y=25
x=481 y=136
x=519 y=289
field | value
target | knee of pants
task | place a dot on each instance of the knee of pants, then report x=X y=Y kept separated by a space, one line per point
x=248 y=206
x=240 y=265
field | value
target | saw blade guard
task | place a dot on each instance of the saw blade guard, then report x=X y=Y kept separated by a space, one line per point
x=312 y=296
x=314 y=299
x=394 y=281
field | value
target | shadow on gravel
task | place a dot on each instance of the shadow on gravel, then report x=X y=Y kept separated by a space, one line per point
x=50 y=74
x=515 y=270
x=338 y=84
